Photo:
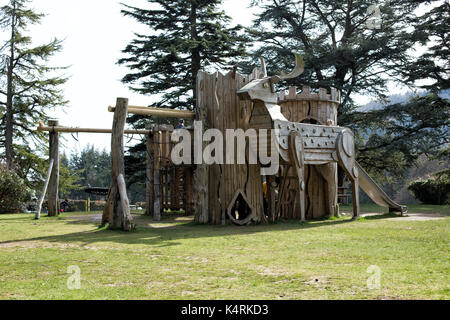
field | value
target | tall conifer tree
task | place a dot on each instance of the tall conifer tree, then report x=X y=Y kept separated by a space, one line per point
x=362 y=48
x=184 y=36
x=28 y=86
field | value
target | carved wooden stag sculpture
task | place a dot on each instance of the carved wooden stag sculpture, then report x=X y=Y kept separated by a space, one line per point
x=300 y=144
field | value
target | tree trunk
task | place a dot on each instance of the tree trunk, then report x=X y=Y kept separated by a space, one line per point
x=195 y=58
x=53 y=199
x=117 y=209
x=156 y=175
x=10 y=94
x=149 y=175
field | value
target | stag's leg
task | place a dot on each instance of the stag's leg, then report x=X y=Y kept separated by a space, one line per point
x=301 y=186
x=296 y=155
x=282 y=190
x=355 y=193
x=346 y=155
x=329 y=173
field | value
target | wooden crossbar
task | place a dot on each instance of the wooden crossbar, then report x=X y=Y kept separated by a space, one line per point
x=158 y=112
x=85 y=130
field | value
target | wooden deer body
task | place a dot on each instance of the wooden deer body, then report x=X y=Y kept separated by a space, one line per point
x=300 y=144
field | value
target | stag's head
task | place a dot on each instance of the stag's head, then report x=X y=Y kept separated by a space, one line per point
x=263 y=89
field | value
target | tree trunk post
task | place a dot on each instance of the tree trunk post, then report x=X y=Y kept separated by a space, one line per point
x=53 y=199
x=117 y=209
x=149 y=174
x=156 y=174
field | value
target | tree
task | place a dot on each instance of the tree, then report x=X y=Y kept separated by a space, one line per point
x=420 y=125
x=183 y=37
x=29 y=86
x=434 y=64
x=93 y=168
x=358 y=48
x=13 y=191
x=69 y=177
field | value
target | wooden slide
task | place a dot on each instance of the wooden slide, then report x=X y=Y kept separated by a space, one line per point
x=377 y=194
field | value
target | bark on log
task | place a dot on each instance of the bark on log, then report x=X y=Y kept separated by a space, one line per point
x=156 y=175
x=158 y=112
x=53 y=199
x=44 y=190
x=42 y=128
x=149 y=176
x=128 y=224
x=117 y=209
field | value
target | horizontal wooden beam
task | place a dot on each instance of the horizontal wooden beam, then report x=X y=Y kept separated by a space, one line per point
x=85 y=130
x=158 y=112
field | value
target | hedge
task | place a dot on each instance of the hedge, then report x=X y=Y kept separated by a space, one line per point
x=435 y=190
x=13 y=192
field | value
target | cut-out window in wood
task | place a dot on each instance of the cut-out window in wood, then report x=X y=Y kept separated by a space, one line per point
x=240 y=211
x=311 y=120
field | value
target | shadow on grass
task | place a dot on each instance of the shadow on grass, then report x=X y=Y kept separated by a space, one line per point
x=160 y=234
x=382 y=216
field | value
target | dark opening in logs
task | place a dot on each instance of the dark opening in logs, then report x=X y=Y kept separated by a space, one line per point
x=239 y=211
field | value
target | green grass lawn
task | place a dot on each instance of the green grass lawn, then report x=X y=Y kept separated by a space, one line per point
x=177 y=259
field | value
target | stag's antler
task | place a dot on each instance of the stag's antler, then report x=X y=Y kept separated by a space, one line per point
x=263 y=66
x=299 y=68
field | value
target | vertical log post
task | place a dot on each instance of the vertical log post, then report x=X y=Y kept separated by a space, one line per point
x=188 y=205
x=271 y=206
x=117 y=209
x=156 y=174
x=149 y=174
x=53 y=199
x=201 y=176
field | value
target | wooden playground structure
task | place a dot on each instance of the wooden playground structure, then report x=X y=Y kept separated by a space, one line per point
x=310 y=145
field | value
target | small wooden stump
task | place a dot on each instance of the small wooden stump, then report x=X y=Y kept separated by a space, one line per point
x=117 y=209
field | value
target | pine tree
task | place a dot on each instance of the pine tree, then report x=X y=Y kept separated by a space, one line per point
x=359 y=48
x=29 y=86
x=434 y=64
x=183 y=37
x=343 y=44
x=421 y=125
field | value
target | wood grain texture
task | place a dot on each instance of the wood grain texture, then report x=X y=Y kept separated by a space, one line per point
x=44 y=190
x=53 y=199
x=117 y=210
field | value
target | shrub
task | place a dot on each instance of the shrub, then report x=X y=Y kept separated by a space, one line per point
x=13 y=192
x=435 y=190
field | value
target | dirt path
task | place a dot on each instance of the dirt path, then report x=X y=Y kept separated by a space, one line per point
x=411 y=216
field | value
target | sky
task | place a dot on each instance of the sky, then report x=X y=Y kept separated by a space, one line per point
x=94 y=34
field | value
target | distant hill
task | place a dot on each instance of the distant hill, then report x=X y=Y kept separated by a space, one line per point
x=399 y=98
